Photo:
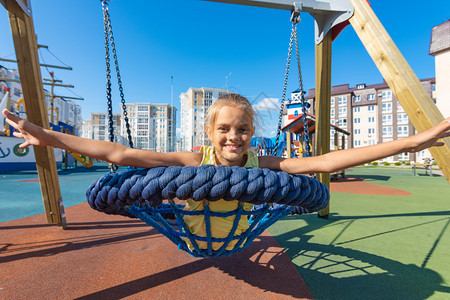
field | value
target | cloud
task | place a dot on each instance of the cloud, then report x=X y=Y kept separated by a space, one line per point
x=267 y=104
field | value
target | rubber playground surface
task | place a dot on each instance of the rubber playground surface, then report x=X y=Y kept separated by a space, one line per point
x=387 y=237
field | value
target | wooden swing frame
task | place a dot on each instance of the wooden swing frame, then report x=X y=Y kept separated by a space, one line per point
x=408 y=89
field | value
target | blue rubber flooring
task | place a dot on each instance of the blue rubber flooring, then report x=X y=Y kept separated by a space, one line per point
x=21 y=194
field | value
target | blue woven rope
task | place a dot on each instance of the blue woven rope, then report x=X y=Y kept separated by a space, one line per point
x=140 y=193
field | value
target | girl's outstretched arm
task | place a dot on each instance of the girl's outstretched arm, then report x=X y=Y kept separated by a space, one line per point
x=108 y=151
x=338 y=160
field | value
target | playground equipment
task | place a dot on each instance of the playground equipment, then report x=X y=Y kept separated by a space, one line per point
x=329 y=16
x=140 y=193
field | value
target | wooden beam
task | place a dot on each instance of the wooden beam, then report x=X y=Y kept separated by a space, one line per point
x=408 y=89
x=336 y=141
x=322 y=106
x=25 y=45
x=288 y=144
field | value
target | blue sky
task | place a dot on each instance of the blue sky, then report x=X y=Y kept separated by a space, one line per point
x=209 y=44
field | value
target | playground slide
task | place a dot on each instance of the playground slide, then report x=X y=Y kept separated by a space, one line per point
x=84 y=160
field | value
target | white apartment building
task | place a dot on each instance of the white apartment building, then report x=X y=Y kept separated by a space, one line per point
x=440 y=49
x=97 y=128
x=152 y=126
x=194 y=105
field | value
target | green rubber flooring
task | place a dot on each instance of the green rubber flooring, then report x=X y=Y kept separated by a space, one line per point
x=375 y=247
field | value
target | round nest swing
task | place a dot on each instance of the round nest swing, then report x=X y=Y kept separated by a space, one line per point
x=141 y=192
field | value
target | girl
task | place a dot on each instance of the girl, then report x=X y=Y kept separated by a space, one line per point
x=230 y=127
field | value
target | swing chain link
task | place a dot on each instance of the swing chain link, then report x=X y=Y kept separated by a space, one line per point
x=307 y=152
x=108 y=69
x=283 y=96
x=109 y=37
x=295 y=19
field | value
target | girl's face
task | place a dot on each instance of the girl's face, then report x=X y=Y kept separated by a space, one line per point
x=231 y=135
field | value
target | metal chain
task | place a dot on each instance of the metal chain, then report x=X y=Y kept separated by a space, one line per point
x=288 y=64
x=109 y=37
x=119 y=82
x=305 y=105
x=108 y=70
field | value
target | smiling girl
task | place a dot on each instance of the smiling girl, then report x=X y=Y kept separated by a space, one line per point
x=230 y=127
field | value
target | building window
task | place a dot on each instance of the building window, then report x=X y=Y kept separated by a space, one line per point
x=332 y=101
x=386 y=107
x=371 y=119
x=208 y=95
x=342 y=100
x=342 y=111
x=386 y=95
x=371 y=130
x=402 y=118
x=332 y=113
x=386 y=119
x=371 y=108
x=296 y=113
x=387 y=130
x=357 y=143
x=402 y=130
x=357 y=109
x=357 y=98
x=357 y=120
x=342 y=123
x=195 y=96
x=371 y=97
x=142 y=108
x=403 y=156
x=399 y=107
x=357 y=131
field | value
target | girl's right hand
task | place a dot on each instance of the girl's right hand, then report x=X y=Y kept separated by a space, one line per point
x=33 y=134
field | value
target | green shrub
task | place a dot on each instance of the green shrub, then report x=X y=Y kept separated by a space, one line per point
x=375 y=163
x=408 y=163
x=397 y=163
x=434 y=163
x=386 y=163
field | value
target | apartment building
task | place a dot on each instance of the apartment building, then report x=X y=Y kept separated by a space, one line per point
x=440 y=49
x=97 y=128
x=194 y=105
x=152 y=126
x=372 y=114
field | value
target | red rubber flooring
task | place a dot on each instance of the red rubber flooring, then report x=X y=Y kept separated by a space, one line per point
x=112 y=257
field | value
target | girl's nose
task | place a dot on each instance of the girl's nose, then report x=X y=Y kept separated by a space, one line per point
x=232 y=135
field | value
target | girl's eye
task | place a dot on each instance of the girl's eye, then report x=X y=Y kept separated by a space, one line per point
x=244 y=130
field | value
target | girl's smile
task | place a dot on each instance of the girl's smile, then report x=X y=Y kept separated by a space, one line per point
x=231 y=135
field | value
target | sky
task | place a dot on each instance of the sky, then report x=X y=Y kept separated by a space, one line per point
x=209 y=44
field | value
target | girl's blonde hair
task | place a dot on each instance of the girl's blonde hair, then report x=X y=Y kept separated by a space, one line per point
x=234 y=100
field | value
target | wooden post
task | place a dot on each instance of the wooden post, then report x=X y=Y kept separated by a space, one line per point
x=336 y=140
x=323 y=104
x=288 y=144
x=25 y=45
x=409 y=91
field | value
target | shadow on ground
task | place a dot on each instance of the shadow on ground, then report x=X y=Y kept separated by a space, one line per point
x=333 y=271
